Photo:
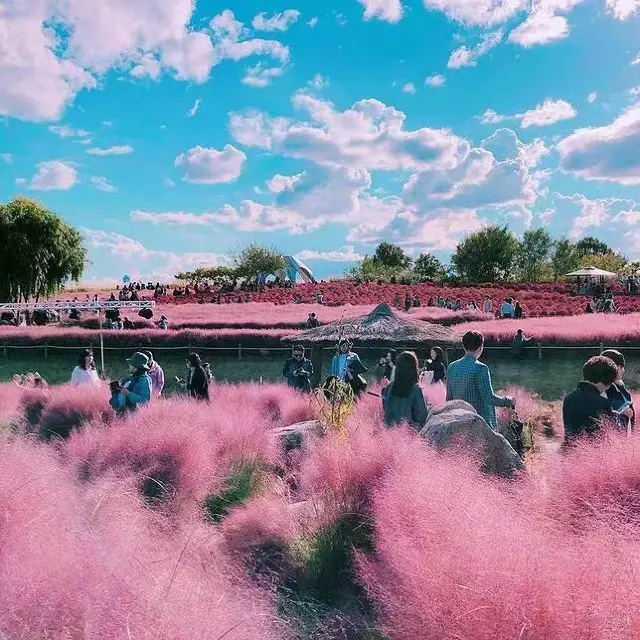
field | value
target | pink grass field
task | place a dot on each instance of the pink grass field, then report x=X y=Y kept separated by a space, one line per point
x=592 y=328
x=455 y=553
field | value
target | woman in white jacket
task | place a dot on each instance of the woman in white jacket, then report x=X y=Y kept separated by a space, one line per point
x=85 y=372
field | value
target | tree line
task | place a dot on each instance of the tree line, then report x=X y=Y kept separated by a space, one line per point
x=496 y=254
x=42 y=253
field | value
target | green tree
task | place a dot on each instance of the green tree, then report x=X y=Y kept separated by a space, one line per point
x=40 y=252
x=391 y=256
x=488 y=255
x=427 y=265
x=565 y=258
x=590 y=246
x=255 y=259
x=534 y=257
x=207 y=274
x=610 y=261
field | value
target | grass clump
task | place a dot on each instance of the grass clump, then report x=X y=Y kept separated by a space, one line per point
x=244 y=482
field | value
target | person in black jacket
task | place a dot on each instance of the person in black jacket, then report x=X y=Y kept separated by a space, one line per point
x=584 y=409
x=298 y=370
x=197 y=379
x=438 y=364
x=618 y=394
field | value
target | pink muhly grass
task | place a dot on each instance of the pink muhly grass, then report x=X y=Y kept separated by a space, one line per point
x=589 y=328
x=598 y=483
x=10 y=402
x=458 y=556
x=95 y=564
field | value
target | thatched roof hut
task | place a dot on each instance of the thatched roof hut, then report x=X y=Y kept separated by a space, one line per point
x=381 y=326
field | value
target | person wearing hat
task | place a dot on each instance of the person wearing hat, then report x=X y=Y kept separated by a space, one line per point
x=134 y=390
x=156 y=374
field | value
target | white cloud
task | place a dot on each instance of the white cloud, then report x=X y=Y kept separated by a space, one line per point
x=102 y=184
x=387 y=10
x=636 y=60
x=608 y=153
x=467 y=56
x=116 y=150
x=138 y=261
x=548 y=113
x=369 y=135
x=313 y=22
x=167 y=182
x=409 y=88
x=318 y=82
x=543 y=115
x=148 y=66
x=280 y=183
x=65 y=131
x=598 y=212
x=194 y=109
x=483 y=13
x=346 y=254
x=623 y=9
x=540 y=28
x=546 y=216
x=261 y=76
x=191 y=57
x=278 y=22
x=210 y=166
x=54 y=175
x=592 y=97
x=225 y=25
x=6 y=157
x=435 y=80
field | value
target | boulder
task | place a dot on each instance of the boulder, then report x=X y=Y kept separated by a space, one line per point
x=456 y=423
x=296 y=436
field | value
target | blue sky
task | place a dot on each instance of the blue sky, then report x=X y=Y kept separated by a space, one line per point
x=173 y=133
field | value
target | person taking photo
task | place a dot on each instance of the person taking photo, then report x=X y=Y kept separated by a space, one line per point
x=298 y=370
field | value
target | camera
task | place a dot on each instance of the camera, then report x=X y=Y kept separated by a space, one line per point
x=114 y=387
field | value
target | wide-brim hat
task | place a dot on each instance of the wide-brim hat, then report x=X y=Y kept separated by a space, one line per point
x=139 y=361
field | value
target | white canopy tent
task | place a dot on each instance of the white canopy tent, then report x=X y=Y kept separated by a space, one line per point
x=88 y=305
x=591 y=272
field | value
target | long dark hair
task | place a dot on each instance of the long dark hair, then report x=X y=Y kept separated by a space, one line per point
x=82 y=358
x=407 y=374
x=440 y=357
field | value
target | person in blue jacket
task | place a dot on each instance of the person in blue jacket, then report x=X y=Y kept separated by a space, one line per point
x=134 y=390
x=347 y=367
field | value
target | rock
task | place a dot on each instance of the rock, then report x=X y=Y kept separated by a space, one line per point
x=296 y=436
x=457 y=423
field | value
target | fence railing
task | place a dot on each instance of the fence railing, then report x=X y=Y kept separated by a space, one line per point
x=241 y=350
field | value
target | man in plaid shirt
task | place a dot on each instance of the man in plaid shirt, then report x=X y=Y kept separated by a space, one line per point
x=470 y=380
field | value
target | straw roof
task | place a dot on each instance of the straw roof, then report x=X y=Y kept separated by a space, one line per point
x=381 y=325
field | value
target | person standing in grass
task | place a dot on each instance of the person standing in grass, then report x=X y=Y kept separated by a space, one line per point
x=298 y=370
x=469 y=379
x=403 y=399
x=618 y=394
x=156 y=374
x=85 y=374
x=584 y=409
x=197 y=380
x=487 y=305
x=134 y=390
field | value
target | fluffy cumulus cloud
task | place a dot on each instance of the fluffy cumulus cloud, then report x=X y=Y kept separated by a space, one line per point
x=623 y=9
x=369 y=135
x=210 y=166
x=543 y=115
x=278 y=22
x=592 y=213
x=439 y=207
x=261 y=76
x=409 y=88
x=54 y=175
x=608 y=153
x=345 y=254
x=481 y=13
x=468 y=56
x=436 y=80
x=136 y=260
x=387 y=10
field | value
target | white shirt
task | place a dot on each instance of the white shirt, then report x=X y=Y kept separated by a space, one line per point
x=488 y=306
x=81 y=377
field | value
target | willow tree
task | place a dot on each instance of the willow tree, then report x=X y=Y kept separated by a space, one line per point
x=40 y=252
